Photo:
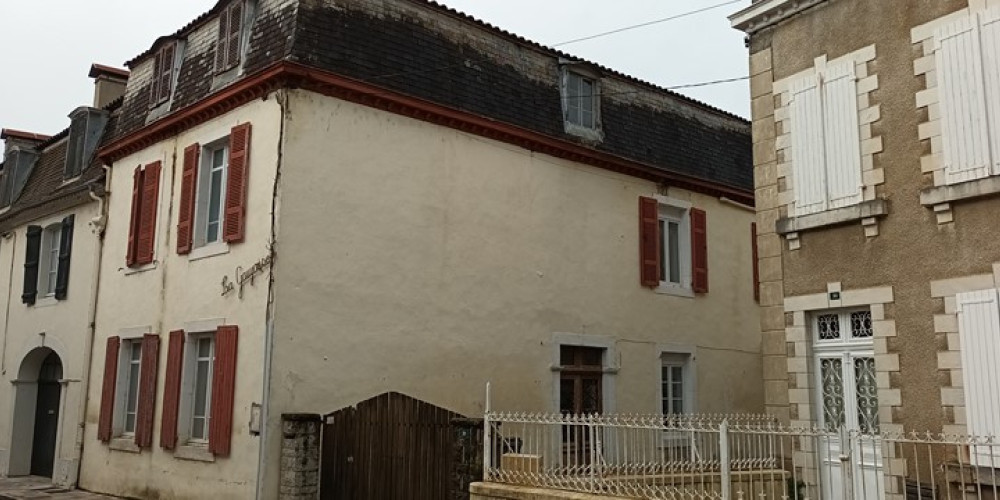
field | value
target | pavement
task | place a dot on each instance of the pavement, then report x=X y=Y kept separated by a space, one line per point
x=33 y=487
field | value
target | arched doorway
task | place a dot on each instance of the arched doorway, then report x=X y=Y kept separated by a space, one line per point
x=36 y=414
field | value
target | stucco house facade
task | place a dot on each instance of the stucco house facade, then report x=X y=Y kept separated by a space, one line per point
x=51 y=222
x=875 y=153
x=300 y=221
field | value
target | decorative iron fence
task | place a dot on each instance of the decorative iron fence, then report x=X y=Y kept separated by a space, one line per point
x=733 y=457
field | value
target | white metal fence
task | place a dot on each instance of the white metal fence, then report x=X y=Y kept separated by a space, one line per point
x=733 y=457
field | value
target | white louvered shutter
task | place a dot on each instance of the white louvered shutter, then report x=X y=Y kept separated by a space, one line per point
x=964 y=126
x=808 y=172
x=990 y=30
x=979 y=331
x=843 y=135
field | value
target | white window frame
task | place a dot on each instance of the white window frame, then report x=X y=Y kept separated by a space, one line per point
x=671 y=210
x=203 y=192
x=847 y=347
x=125 y=368
x=48 y=271
x=574 y=76
x=186 y=420
x=682 y=360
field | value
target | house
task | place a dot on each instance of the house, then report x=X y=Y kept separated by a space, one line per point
x=876 y=128
x=313 y=203
x=50 y=240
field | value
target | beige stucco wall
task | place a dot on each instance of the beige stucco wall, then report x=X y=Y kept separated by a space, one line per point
x=911 y=249
x=59 y=325
x=174 y=292
x=419 y=259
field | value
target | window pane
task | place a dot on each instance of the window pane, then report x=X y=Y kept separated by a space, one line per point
x=828 y=326
x=566 y=395
x=201 y=388
x=673 y=229
x=198 y=428
x=663 y=251
x=204 y=348
x=130 y=422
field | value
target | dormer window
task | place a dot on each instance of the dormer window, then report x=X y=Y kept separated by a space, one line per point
x=581 y=103
x=227 y=48
x=162 y=80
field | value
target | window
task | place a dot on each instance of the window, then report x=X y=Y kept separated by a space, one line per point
x=825 y=139
x=673 y=246
x=142 y=225
x=846 y=391
x=675 y=388
x=979 y=329
x=49 y=260
x=581 y=100
x=227 y=47
x=128 y=383
x=162 y=78
x=581 y=378
x=968 y=78
x=211 y=194
x=202 y=356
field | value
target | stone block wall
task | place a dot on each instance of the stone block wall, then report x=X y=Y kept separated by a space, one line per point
x=300 y=454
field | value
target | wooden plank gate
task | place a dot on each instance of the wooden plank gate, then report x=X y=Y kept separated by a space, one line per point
x=395 y=447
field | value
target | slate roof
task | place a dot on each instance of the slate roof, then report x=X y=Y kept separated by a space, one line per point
x=422 y=49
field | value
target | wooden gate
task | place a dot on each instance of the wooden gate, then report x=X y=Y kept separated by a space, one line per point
x=390 y=447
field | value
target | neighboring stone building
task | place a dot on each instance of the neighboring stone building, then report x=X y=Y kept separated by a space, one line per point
x=314 y=202
x=51 y=222
x=876 y=131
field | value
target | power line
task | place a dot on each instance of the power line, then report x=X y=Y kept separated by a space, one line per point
x=648 y=23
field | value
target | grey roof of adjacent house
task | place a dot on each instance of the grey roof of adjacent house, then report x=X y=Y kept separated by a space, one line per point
x=425 y=50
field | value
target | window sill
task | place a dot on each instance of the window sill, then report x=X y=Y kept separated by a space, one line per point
x=586 y=133
x=194 y=453
x=141 y=269
x=210 y=250
x=837 y=216
x=609 y=370
x=125 y=444
x=47 y=301
x=675 y=290
x=978 y=188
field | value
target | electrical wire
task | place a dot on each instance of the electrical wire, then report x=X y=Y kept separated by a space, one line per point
x=648 y=23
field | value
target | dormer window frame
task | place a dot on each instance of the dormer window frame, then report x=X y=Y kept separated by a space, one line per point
x=229 y=40
x=164 y=74
x=572 y=74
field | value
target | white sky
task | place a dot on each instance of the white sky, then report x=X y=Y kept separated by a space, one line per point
x=50 y=44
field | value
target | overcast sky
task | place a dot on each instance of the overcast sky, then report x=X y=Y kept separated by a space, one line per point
x=50 y=44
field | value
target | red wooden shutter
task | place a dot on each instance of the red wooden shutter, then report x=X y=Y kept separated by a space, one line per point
x=699 y=251
x=223 y=390
x=148 y=365
x=236 y=184
x=154 y=81
x=172 y=390
x=108 y=390
x=235 y=27
x=220 y=44
x=147 y=214
x=649 y=242
x=185 y=215
x=756 y=268
x=166 y=72
x=133 y=224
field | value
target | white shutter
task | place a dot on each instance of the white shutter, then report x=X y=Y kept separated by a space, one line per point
x=990 y=29
x=979 y=331
x=963 y=104
x=843 y=135
x=809 y=177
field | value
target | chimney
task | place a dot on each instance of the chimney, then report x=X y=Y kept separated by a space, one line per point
x=109 y=83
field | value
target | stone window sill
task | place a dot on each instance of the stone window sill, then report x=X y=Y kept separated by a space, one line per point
x=125 y=444
x=837 y=216
x=978 y=188
x=675 y=290
x=141 y=269
x=194 y=453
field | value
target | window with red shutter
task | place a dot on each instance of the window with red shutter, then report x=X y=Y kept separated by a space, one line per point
x=146 y=239
x=186 y=212
x=223 y=390
x=172 y=390
x=699 y=251
x=234 y=229
x=649 y=242
x=106 y=417
x=147 y=390
x=133 y=224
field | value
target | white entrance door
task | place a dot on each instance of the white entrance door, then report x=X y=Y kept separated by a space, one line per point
x=847 y=399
